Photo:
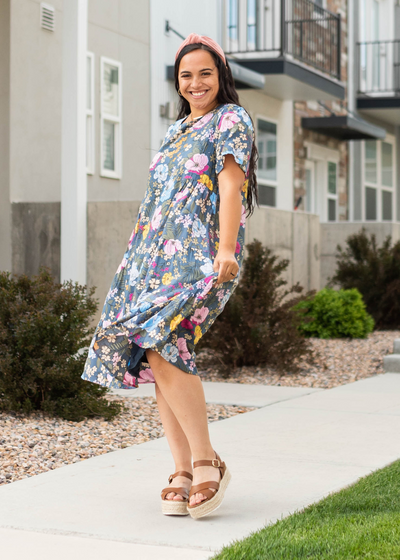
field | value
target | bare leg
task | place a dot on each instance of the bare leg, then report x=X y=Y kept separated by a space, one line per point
x=178 y=444
x=185 y=396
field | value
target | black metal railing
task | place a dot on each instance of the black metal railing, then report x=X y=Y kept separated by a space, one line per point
x=378 y=64
x=299 y=28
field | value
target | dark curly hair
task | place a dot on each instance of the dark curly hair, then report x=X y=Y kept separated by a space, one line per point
x=226 y=94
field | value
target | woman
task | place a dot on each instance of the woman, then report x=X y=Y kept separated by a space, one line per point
x=180 y=268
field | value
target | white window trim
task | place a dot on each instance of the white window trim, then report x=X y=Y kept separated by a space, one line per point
x=90 y=113
x=117 y=174
x=322 y=154
x=265 y=182
x=390 y=139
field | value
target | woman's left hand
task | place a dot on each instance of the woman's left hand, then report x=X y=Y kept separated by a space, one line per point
x=226 y=265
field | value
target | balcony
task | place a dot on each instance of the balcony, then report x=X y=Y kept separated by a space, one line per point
x=379 y=80
x=296 y=43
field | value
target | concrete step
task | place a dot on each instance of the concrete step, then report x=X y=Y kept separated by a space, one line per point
x=396 y=346
x=391 y=363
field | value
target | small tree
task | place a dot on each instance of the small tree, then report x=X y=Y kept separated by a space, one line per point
x=258 y=325
x=44 y=327
x=375 y=272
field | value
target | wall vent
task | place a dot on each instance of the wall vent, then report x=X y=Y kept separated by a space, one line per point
x=46 y=16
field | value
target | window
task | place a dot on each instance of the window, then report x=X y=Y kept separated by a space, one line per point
x=233 y=24
x=90 y=113
x=111 y=113
x=387 y=180
x=267 y=163
x=370 y=161
x=378 y=180
x=252 y=8
x=332 y=191
x=309 y=196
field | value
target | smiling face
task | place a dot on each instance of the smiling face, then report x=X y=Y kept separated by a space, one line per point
x=198 y=81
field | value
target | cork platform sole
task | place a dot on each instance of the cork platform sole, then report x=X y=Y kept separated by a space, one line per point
x=174 y=507
x=213 y=503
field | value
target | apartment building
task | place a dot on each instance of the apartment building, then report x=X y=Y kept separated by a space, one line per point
x=67 y=65
x=373 y=96
x=320 y=80
x=289 y=60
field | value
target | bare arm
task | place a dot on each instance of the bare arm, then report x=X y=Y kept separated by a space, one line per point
x=230 y=181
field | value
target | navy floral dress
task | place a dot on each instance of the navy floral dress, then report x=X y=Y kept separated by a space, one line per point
x=164 y=294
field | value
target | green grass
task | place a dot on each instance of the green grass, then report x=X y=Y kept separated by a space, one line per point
x=359 y=522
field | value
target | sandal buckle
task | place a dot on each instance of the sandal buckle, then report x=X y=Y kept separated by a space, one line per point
x=216 y=461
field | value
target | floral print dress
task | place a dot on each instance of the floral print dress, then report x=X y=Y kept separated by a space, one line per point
x=164 y=294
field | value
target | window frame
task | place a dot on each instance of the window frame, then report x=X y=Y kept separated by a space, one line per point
x=116 y=120
x=260 y=180
x=91 y=152
x=379 y=186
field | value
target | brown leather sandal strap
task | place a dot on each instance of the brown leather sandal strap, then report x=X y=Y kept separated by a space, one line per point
x=180 y=473
x=217 y=463
x=204 y=486
x=208 y=494
x=181 y=491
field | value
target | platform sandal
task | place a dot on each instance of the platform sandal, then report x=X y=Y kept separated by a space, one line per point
x=175 y=507
x=213 y=499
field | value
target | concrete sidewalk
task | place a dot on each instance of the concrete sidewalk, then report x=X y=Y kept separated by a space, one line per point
x=240 y=394
x=291 y=453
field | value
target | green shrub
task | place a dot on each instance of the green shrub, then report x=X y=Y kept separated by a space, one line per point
x=375 y=272
x=43 y=328
x=335 y=314
x=258 y=325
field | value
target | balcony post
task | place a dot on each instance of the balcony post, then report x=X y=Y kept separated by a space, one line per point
x=283 y=28
x=339 y=48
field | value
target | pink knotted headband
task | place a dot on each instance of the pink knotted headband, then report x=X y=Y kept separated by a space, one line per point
x=194 y=38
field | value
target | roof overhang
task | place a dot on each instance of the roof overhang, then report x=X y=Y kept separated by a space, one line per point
x=244 y=77
x=386 y=109
x=292 y=80
x=344 y=127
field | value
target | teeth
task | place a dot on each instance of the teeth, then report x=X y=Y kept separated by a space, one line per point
x=199 y=94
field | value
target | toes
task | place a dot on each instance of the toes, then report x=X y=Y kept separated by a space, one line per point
x=197 y=499
x=173 y=496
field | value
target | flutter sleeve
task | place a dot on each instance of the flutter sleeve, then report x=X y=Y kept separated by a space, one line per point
x=235 y=136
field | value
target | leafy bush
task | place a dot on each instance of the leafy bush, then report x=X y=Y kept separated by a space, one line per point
x=335 y=314
x=258 y=325
x=43 y=328
x=375 y=272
